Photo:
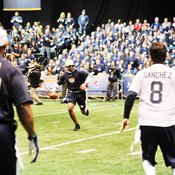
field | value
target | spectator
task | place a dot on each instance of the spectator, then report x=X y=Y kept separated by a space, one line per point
x=156 y=24
x=69 y=20
x=17 y=20
x=62 y=19
x=46 y=40
x=83 y=21
x=112 y=88
x=138 y=25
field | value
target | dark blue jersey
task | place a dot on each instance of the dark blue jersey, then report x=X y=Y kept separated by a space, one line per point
x=73 y=79
x=13 y=90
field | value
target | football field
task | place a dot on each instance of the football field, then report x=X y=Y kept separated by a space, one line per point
x=97 y=149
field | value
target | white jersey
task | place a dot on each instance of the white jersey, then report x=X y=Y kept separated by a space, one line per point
x=155 y=86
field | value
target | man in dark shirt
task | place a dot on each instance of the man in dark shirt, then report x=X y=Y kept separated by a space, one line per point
x=13 y=91
x=112 y=88
x=16 y=20
x=34 y=76
x=47 y=41
x=77 y=82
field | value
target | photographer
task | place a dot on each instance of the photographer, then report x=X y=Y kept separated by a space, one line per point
x=34 y=75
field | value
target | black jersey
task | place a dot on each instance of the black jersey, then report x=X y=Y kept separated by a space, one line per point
x=73 y=79
x=34 y=78
x=13 y=90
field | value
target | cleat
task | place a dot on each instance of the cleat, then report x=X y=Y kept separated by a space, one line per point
x=77 y=127
x=39 y=103
x=87 y=112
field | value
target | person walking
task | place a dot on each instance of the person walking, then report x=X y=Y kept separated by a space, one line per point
x=13 y=91
x=155 y=87
x=34 y=75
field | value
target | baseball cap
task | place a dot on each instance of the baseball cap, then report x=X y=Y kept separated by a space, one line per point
x=3 y=37
x=69 y=63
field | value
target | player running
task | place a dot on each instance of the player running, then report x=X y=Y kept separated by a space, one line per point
x=77 y=83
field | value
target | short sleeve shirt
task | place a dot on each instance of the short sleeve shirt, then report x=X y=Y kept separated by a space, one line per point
x=13 y=89
x=155 y=87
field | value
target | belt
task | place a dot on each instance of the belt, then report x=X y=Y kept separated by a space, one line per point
x=75 y=91
x=11 y=123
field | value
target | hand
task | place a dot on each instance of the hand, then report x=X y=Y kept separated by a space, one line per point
x=83 y=86
x=124 y=124
x=33 y=147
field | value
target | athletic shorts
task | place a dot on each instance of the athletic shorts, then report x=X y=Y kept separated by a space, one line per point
x=78 y=97
x=164 y=137
x=7 y=150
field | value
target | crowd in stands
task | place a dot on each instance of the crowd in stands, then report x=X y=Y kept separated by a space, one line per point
x=119 y=43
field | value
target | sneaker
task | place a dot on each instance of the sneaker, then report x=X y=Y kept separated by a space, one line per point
x=77 y=127
x=39 y=103
x=87 y=112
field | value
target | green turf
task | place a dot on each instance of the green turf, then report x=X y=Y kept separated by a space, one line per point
x=97 y=149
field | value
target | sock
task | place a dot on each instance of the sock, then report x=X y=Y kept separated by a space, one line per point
x=148 y=168
x=173 y=171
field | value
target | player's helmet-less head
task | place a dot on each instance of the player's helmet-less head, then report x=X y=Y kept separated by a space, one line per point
x=69 y=63
x=158 y=52
x=3 y=37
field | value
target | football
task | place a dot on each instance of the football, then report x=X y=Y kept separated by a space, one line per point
x=53 y=95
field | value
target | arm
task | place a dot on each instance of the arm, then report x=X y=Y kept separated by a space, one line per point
x=13 y=19
x=19 y=19
x=79 y=20
x=87 y=20
x=26 y=117
x=127 y=109
x=87 y=81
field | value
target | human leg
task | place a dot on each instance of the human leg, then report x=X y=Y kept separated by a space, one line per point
x=72 y=115
x=166 y=137
x=7 y=151
x=48 y=52
x=109 y=90
x=34 y=95
x=149 y=148
x=114 y=88
x=82 y=100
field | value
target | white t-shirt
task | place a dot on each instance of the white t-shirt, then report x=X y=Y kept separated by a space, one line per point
x=155 y=86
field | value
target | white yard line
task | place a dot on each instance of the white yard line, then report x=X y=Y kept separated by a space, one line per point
x=63 y=112
x=86 y=151
x=56 y=122
x=78 y=141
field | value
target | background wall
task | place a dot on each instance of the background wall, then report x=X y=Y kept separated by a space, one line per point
x=98 y=10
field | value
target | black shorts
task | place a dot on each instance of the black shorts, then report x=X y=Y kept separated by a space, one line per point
x=7 y=150
x=164 y=137
x=77 y=97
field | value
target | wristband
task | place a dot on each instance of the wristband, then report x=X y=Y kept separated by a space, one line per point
x=32 y=136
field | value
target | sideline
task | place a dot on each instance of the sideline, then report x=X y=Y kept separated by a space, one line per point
x=78 y=141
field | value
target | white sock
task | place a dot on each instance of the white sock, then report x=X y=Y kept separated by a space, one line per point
x=173 y=171
x=148 y=168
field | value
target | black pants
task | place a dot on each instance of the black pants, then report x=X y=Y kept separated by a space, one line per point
x=164 y=137
x=7 y=150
